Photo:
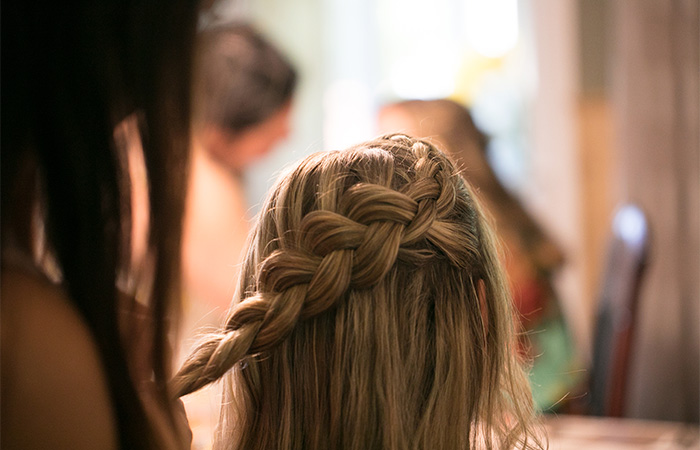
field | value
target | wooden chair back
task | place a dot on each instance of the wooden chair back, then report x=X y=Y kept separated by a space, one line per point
x=618 y=301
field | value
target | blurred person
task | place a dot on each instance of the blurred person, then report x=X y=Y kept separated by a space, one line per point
x=371 y=312
x=242 y=108
x=243 y=93
x=84 y=363
x=531 y=257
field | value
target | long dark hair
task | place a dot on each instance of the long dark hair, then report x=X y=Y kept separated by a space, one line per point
x=71 y=72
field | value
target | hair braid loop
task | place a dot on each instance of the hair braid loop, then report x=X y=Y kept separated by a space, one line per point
x=281 y=317
x=377 y=253
x=329 y=283
x=367 y=203
x=326 y=231
x=286 y=268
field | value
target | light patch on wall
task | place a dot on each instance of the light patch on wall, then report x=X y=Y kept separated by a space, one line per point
x=491 y=26
x=349 y=114
x=429 y=71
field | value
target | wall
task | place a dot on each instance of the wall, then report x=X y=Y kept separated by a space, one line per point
x=655 y=97
x=554 y=189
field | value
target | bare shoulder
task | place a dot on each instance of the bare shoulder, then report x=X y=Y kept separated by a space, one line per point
x=54 y=389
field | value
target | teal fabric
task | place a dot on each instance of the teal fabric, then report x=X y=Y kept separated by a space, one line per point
x=556 y=370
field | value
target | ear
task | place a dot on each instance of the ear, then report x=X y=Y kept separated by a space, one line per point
x=483 y=305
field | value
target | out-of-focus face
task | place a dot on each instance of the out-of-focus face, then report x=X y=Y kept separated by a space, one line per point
x=238 y=150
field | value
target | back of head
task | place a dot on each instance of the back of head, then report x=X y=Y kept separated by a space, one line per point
x=241 y=78
x=372 y=313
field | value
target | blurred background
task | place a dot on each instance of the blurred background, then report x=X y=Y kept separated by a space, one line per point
x=588 y=104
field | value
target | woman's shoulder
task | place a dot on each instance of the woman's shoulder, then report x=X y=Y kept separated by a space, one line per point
x=54 y=389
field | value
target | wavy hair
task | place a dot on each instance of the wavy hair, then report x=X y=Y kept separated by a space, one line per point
x=371 y=313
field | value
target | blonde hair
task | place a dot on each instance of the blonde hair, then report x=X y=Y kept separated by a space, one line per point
x=360 y=323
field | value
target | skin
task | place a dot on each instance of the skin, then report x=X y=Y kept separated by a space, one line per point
x=49 y=355
x=214 y=233
x=216 y=219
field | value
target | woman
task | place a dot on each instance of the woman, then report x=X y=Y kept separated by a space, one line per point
x=371 y=313
x=531 y=258
x=84 y=364
x=242 y=105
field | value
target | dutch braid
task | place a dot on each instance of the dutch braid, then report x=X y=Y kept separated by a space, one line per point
x=353 y=247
